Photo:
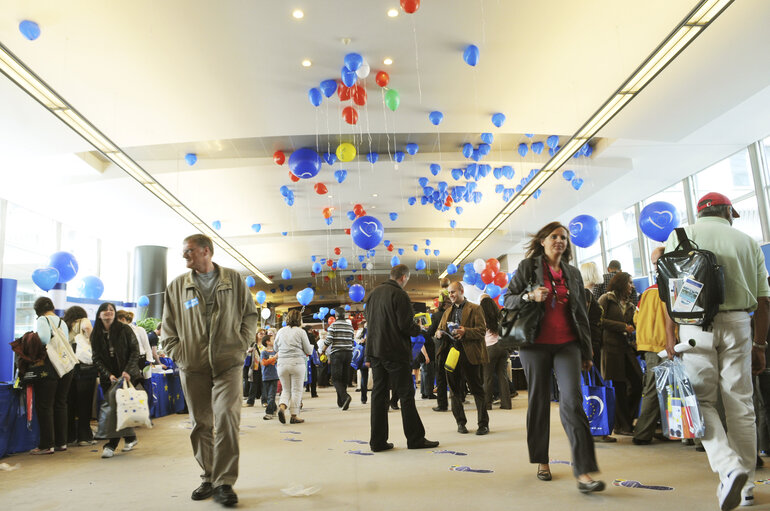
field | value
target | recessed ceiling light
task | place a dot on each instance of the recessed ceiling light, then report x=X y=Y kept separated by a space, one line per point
x=330 y=196
x=375 y=195
x=392 y=13
x=388 y=61
x=306 y=63
x=298 y=14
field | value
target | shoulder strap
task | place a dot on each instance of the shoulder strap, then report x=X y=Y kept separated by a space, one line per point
x=684 y=241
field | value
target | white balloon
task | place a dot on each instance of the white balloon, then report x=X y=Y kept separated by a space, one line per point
x=363 y=71
x=265 y=313
x=473 y=294
x=479 y=265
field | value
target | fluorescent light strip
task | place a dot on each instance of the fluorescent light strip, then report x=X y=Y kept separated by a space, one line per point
x=28 y=81
x=679 y=38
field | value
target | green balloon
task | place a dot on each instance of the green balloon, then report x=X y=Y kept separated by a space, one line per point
x=392 y=99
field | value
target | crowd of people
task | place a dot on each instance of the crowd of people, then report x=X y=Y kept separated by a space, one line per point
x=577 y=321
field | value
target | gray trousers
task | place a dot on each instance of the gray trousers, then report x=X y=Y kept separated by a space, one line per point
x=215 y=405
x=650 y=415
x=495 y=369
x=564 y=359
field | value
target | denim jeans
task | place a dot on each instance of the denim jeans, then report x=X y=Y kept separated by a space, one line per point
x=269 y=388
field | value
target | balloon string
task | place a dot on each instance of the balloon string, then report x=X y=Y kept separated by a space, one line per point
x=416 y=58
x=385 y=119
x=317 y=145
x=328 y=132
x=483 y=23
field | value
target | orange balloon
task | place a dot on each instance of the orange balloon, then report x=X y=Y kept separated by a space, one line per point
x=328 y=212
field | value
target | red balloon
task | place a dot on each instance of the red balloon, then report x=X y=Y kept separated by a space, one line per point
x=448 y=202
x=347 y=231
x=337 y=250
x=359 y=96
x=358 y=209
x=390 y=247
x=320 y=188
x=487 y=276
x=435 y=302
x=331 y=319
x=350 y=115
x=330 y=262
x=360 y=277
x=312 y=274
x=501 y=279
x=326 y=279
x=293 y=177
x=493 y=264
x=327 y=212
x=410 y=6
x=382 y=78
x=279 y=158
x=344 y=92
x=362 y=213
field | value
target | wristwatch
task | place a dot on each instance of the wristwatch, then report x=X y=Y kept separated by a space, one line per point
x=525 y=296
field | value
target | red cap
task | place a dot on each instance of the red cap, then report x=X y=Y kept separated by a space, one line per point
x=715 y=199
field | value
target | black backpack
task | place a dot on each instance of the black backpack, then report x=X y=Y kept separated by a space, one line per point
x=690 y=283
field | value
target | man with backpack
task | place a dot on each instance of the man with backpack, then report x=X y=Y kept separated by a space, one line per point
x=724 y=357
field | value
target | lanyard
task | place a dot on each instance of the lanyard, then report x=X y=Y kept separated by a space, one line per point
x=555 y=298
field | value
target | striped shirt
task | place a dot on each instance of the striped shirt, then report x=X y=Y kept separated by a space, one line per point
x=339 y=337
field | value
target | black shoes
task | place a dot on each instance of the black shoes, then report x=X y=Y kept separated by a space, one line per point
x=544 y=474
x=462 y=429
x=225 y=495
x=388 y=446
x=440 y=409
x=591 y=487
x=425 y=444
x=202 y=492
x=639 y=441
x=282 y=414
x=346 y=404
x=483 y=430
x=394 y=405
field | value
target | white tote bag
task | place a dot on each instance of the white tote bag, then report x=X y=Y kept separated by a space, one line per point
x=83 y=346
x=59 y=350
x=133 y=410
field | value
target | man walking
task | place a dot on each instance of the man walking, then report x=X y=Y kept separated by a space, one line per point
x=390 y=320
x=469 y=340
x=724 y=357
x=339 y=342
x=209 y=320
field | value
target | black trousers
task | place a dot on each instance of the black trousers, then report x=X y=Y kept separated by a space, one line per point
x=470 y=373
x=80 y=404
x=364 y=382
x=341 y=373
x=255 y=387
x=51 y=408
x=400 y=373
x=441 y=375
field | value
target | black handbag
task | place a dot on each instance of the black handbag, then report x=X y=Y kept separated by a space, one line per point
x=521 y=325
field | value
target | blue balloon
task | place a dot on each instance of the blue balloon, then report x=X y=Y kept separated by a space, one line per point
x=484 y=149
x=469 y=278
x=552 y=141
x=411 y=201
x=537 y=193
x=284 y=233
x=280 y=286
x=353 y=61
x=459 y=210
x=216 y=224
x=330 y=158
x=329 y=87
x=66 y=264
x=468 y=268
x=476 y=155
x=372 y=157
x=452 y=224
x=467 y=150
x=250 y=282
x=537 y=147
x=523 y=149
x=315 y=95
x=435 y=168
x=191 y=158
x=399 y=156
x=256 y=227
x=284 y=191
x=568 y=175
x=45 y=278
x=332 y=312
x=436 y=253
x=457 y=174
x=351 y=215
x=584 y=230
x=479 y=283
x=400 y=251
x=501 y=300
x=91 y=287
x=286 y=274
x=487 y=138
x=347 y=307
x=367 y=232
x=348 y=77
x=423 y=182
x=340 y=175
x=305 y=296
x=29 y=29
x=145 y=301
x=420 y=265
x=508 y=171
x=357 y=292
x=436 y=117
x=552 y=151
x=577 y=183
x=471 y=55
x=415 y=248
x=394 y=261
x=393 y=216
x=498 y=119
x=427 y=242
x=329 y=220
x=423 y=200
x=412 y=148
x=342 y=263
x=427 y=251
x=451 y=269
x=261 y=297
x=658 y=219
x=492 y=290
x=305 y=163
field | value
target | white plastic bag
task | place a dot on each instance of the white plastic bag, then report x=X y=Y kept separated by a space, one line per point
x=132 y=407
x=680 y=415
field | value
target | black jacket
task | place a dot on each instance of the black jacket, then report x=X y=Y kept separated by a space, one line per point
x=390 y=323
x=531 y=270
x=126 y=352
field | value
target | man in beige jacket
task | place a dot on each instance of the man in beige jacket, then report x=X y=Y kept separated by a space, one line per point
x=209 y=319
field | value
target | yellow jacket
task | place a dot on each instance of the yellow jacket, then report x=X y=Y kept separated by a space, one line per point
x=650 y=320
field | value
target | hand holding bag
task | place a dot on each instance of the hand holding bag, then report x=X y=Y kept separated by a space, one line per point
x=520 y=325
x=132 y=407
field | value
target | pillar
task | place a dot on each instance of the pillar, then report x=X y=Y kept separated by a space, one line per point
x=7 y=327
x=150 y=278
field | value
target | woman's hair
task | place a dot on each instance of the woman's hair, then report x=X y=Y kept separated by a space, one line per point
x=73 y=314
x=43 y=305
x=491 y=313
x=294 y=318
x=590 y=273
x=126 y=316
x=619 y=285
x=98 y=324
x=256 y=336
x=535 y=247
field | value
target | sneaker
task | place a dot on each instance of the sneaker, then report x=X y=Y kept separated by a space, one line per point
x=85 y=443
x=129 y=446
x=37 y=451
x=268 y=416
x=108 y=452
x=60 y=448
x=747 y=497
x=729 y=492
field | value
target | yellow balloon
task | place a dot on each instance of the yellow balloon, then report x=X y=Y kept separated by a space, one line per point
x=346 y=152
x=332 y=274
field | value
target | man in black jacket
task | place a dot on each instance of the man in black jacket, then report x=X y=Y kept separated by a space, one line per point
x=390 y=320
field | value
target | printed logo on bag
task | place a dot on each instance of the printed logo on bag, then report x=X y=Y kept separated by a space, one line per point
x=593 y=406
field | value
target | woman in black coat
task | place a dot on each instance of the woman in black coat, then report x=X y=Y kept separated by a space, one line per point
x=116 y=355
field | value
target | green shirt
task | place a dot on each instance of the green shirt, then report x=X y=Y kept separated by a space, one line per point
x=739 y=255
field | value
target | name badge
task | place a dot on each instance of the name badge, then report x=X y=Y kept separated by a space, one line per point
x=190 y=303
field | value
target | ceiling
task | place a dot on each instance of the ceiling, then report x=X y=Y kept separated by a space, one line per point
x=224 y=80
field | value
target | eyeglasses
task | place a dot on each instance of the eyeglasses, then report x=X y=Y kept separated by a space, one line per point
x=187 y=251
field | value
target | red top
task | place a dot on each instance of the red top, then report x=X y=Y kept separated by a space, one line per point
x=556 y=327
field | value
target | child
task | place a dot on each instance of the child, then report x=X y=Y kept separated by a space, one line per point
x=269 y=376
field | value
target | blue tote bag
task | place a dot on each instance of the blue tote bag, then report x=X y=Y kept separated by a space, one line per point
x=598 y=402
x=357 y=360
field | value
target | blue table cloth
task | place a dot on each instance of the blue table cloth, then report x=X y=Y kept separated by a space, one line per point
x=15 y=436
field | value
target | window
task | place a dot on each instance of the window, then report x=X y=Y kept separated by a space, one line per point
x=115 y=271
x=86 y=251
x=590 y=254
x=622 y=244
